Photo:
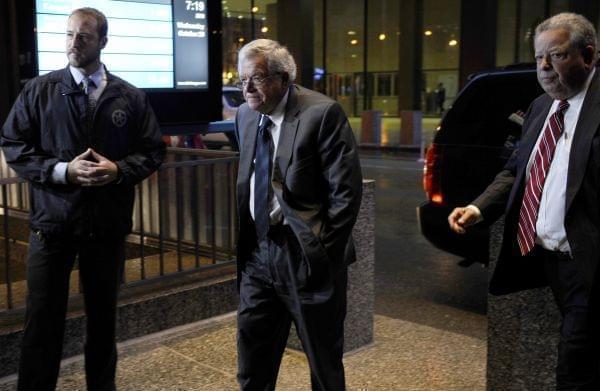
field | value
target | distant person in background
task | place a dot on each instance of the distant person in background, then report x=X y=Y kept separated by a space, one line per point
x=82 y=138
x=440 y=98
x=298 y=194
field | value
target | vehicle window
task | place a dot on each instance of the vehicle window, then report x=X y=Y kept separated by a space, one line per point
x=480 y=113
x=234 y=98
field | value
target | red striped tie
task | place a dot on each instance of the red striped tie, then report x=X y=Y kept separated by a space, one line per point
x=537 y=176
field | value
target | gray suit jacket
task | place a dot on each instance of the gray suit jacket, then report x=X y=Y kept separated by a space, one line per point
x=316 y=178
x=582 y=210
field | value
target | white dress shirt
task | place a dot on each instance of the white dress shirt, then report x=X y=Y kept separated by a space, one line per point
x=277 y=117
x=59 y=172
x=550 y=227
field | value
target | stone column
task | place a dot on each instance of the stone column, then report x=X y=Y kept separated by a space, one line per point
x=522 y=334
x=358 y=327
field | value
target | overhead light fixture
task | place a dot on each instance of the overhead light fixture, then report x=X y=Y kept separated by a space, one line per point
x=353 y=41
x=382 y=37
x=453 y=42
x=241 y=39
x=264 y=29
x=240 y=17
x=351 y=32
x=254 y=9
x=428 y=32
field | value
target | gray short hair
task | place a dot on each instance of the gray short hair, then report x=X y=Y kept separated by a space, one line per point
x=582 y=32
x=279 y=59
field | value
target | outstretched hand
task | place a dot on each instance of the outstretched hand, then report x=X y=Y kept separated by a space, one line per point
x=91 y=169
x=463 y=217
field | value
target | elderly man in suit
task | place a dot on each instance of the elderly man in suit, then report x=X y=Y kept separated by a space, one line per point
x=299 y=191
x=550 y=192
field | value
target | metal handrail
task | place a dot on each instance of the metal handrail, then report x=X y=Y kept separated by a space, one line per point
x=184 y=221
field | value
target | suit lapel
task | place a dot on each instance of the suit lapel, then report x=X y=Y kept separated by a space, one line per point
x=587 y=126
x=287 y=137
x=248 y=129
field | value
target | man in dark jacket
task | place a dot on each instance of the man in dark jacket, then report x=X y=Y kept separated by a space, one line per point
x=549 y=193
x=82 y=138
x=299 y=190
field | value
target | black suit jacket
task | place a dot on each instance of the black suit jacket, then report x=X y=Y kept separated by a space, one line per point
x=582 y=210
x=316 y=178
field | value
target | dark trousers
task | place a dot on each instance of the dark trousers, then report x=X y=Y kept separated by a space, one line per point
x=48 y=269
x=578 y=360
x=272 y=295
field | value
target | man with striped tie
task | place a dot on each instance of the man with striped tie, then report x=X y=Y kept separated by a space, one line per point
x=550 y=191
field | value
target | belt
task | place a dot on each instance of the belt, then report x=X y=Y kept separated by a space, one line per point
x=554 y=254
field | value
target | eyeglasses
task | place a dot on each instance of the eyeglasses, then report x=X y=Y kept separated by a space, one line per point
x=256 y=81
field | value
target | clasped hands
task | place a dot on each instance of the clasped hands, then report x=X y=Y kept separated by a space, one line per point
x=91 y=169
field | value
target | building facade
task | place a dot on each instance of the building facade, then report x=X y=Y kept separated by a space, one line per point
x=392 y=55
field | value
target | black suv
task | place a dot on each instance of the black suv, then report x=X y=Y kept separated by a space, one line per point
x=471 y=145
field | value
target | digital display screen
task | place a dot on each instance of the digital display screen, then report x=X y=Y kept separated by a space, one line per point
x=151 y=43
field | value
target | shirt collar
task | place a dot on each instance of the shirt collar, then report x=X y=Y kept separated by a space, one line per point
x=96 y=77
x=279 y=113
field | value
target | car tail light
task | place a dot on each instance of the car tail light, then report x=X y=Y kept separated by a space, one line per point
x=432 y=174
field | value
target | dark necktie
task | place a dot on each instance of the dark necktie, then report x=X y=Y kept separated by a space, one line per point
x=537 y=177
x=90 y=103
x=262 y=177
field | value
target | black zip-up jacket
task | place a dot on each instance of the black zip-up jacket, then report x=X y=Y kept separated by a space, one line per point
x=47 y=125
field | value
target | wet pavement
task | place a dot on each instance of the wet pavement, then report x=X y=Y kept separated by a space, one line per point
x=414 y=280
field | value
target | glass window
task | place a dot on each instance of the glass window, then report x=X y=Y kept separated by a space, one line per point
x=383 y=35
x=265 y=18
x=384 y=84
x=532 y=13
x=383 y=51
x=244 y=21
x=506 y=30
x=237 y=31
x=441 y=27
x=516 y=27
x=345 y=51
x=441 y=49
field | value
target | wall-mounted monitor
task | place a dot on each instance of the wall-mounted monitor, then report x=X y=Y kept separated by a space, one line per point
x=170 y=48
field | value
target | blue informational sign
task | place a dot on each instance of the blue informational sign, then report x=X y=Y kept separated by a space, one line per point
x=151 y=43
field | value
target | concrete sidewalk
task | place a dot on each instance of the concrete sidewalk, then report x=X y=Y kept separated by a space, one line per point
x=202 y=356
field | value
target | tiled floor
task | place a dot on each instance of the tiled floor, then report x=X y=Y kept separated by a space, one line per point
x=405 y=356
